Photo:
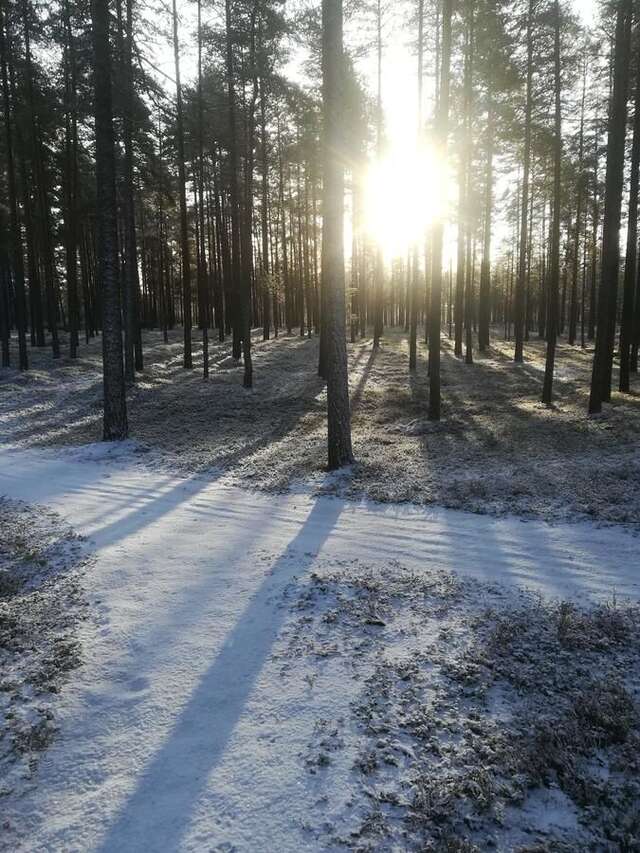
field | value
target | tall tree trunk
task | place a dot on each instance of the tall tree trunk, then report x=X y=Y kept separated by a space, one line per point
x=378 y=307
x=115 y=409
x=442 y=128
x=203 y=285
x=519 y=306
x=484 y=306
x=630 y=264
x=39 y=169
x=17 y=258
x=554 y=270
x=573 y=303
x=71 y=182
x=469 y=266
x=239 y=287
x=413 y=332
x=338 y=414
x=131 y=280
x=264 y=219
x=607 y=295
x=182 y=181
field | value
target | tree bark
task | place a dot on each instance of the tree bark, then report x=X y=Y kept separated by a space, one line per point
x=17 y=258
x=607 y=294
x=182 y=181
x=554 y=270
x=442 y=128
x=333 y=286
x=115 y=409
x=630 y=264
x=518 y=355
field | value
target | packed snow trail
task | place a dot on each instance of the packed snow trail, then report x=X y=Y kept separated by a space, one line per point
x=177 y=732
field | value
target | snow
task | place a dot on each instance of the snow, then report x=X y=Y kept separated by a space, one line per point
x=179 y=731
x=497 y=449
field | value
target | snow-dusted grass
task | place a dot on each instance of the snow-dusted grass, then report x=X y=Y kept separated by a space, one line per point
x=40 y=605
x=299 y=672
x=485 y=719
x=497 y=449
x=291 y=666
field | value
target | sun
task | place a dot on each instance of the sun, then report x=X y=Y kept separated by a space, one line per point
x=404 y=193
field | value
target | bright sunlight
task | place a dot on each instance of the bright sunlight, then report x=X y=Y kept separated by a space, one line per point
x=404 y=193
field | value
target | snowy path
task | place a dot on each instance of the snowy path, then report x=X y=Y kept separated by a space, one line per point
x=177 y=734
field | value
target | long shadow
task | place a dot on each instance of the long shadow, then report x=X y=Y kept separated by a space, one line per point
x=156 y=815
x=167 y=500
x=362 y=381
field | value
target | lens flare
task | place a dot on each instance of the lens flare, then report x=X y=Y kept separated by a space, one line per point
x=404 y=193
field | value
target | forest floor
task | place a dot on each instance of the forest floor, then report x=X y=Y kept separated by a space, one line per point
x=207 y=667
x=497 y=449
x=302 y=673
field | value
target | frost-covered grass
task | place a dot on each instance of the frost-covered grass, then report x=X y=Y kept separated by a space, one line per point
x=484 y=719
x=497 y=449
x=40 y=605
x=297 y=672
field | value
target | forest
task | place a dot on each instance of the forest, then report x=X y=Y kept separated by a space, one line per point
x=319 y=425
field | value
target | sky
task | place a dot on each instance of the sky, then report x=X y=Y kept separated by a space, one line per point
x=399 y=104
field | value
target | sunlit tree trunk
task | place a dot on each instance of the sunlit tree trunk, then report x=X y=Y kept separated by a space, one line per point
x=484 y=304
x=131 y=283
x=203 y=284
x=182 y=191
x=607 y=295
x=264 y=218
x=573 y=302
x=71 y=182
x=519 y=306
x=40 y=174
x=630 y=264
x=554 y=264
x=115 y=409
x=413 y=331
x=17 y=258
x=378 y=307
x=442 y=128
x=239 y=286
x=338 y=414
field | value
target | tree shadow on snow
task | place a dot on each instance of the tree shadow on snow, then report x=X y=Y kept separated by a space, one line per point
x=157 y=814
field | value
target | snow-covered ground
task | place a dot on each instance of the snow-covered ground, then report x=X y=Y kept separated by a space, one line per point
x=497 y=449
x=192 y=723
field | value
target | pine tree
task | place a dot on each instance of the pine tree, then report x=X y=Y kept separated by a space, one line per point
x=115 y=409
x=338 y=414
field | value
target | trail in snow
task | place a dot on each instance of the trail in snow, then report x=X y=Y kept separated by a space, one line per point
x=176 y=733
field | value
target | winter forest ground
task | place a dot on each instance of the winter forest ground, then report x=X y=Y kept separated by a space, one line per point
x=497 y=449
x=208 y=643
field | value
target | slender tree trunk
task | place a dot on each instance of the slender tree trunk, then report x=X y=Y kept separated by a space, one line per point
x=413 y=332
x=17 y=258
x=573 y=303
x=554 y=271
x=264 y=217
x=40 y=174
x=378 y=308
x=630 y=264
x=519 y=316
x=182 y=189
x=71 y=182
x=484 y=306
x=115 y=409
x=131 y=279
x=203 y=284
x=238 y=285
x=595 y=216
x=338 y=414
x=438 y=230
x=607 y=295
